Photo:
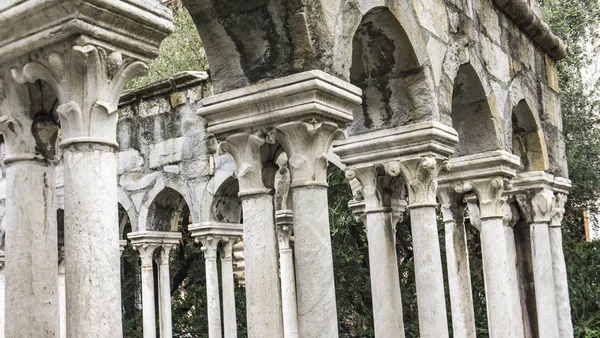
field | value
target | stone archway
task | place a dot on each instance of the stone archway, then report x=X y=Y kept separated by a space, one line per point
x=527 y=139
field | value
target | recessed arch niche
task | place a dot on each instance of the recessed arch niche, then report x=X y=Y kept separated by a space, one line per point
x=473 y=115
x=165 y=211
x=527 y=139
x=396 y=89
x=226 y=205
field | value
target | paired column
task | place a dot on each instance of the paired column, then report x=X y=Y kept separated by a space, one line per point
x=2 y=295
x=497 y=246
x=559 y=269
x=285 y=224
x=383 y=261
x=148 y=301
x=421 y=176
x=31 y=268
x=62 y=289
x=457 y=261
x=537 y=207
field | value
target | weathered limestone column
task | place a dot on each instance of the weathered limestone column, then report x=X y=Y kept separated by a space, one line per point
x=62 y=292
x=2 y=294
x=307 y=144
x=383 y=261
x=228 y=286
x=87 y=63
x=148 y=300
x=457 y=261
x=31 y=268
x=304 y=113
x=537 y=205
x=209 y=247
x=169 y=242
x=263 y=299
x=421 y=175
x=285 y=224
x=559 y=268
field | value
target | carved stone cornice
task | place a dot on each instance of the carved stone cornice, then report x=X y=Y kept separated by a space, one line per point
x=146 y=242
x=298 y=97
x=137 y=26
x=216 y=229
x=88 y=81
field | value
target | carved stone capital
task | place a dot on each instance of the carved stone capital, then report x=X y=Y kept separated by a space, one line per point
x=473 y=208
x=27 y=137
x=559 y=209
x=146 y=252
x=245 y=148
x=307 y=144
x=285 y=228
x=88 y=81
x=210 y=244
x=421 y=174
x=537 y=206
x=489 y=192
x=226 y=247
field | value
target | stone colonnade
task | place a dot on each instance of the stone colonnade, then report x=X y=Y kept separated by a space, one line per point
x=155 y=246
x=219 y=237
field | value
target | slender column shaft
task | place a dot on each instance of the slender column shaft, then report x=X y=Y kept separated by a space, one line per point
x=263 y=300
x=561 y=286
x=459 y=279
x=148 y=300
x=62 y=299
x=285 y=224
x=166 y=322
x=2 y=295
x=428 y=273
x=91 y=242
x=32 y=307
x=385 y=281
x=317 y=313
x=212 y=287
x=500 y=283
x=544 y=280
x=229 y=318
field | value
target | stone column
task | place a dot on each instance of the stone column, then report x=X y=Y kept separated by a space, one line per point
x=148 y=301
x=122 y=245
x=421 y=176
x=537 y=207
x=263 y=300
x=62 y=296
x=31 y=268
x=457 y=260
x=501 y=286
x=307 y=144
x=559 y=269
x=2 y=294
x=383 y=261
x=226 y=256
x=88 y=81
x=209 y=247
x=285 y=222
x=166 y=320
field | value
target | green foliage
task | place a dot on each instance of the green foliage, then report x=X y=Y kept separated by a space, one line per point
x=181 y=51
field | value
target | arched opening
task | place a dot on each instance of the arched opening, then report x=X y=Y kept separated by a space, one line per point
x=123 y=222
x=384 y=65
x=226 y=205
x=472 y=115
x=527 y=141
x=164 y=212
x=60 y=225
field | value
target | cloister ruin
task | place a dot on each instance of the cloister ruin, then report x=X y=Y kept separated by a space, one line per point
x=425 y=104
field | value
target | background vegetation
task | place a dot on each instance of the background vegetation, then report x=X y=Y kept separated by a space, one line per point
x=576 y=23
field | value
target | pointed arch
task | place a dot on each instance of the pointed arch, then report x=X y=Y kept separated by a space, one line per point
x=527 y=139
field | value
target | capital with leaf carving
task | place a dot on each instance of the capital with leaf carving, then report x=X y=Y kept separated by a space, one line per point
x=421 y=173
x=88 y=81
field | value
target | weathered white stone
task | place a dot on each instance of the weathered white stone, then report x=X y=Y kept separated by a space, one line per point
x=166 y=152
x=129 y=160
x=137 y=181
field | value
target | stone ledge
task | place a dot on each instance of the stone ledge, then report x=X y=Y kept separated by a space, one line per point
x=177 y=82
x=216 y=229
x=482 y=165
x=534 y=27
